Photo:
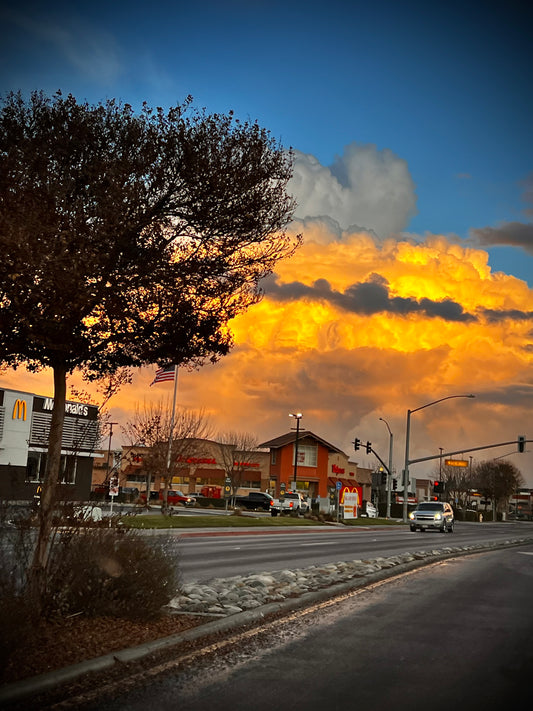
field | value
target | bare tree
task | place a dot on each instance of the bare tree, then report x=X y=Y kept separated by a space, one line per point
x=458 y=481
x=129 y=239
x=497 y=480
x=237 y=450
x=152 y=428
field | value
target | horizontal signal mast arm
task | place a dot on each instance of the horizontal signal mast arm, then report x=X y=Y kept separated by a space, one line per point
x=463 y=451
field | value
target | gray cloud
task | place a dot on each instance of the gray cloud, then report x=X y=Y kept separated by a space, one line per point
x=368 y=298
x=364 y=186
x=516 y=234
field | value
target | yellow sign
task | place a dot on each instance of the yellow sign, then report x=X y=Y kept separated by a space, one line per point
x=19 y=410
x=456 y=462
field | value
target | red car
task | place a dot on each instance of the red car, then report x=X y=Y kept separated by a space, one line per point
x=174 y=497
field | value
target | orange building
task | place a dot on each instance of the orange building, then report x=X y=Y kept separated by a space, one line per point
x=319 y=467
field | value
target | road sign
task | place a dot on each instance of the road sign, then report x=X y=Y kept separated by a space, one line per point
x=227 y=487
x=456 y=462
x=338 y=485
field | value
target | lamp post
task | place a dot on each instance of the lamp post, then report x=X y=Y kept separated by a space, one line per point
x=407 y=435
x=298 y=416
x=389 y=475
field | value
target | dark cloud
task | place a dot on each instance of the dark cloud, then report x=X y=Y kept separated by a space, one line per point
x=368 y=298
x=513 y=314
x=516 y=234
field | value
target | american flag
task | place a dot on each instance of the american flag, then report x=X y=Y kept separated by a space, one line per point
x=164 y=374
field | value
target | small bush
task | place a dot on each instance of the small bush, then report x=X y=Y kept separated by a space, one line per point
x=110 y=572
x=17 y=617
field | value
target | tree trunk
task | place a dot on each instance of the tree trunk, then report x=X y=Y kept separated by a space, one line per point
x=37 y=577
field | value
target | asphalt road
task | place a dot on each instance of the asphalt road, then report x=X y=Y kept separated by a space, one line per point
x=223 y=555
x=455 y=635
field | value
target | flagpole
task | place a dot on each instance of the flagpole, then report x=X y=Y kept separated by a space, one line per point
x=172 y=419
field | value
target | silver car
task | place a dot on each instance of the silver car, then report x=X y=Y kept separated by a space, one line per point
x=436 y=515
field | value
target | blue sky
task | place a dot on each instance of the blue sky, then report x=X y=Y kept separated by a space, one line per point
x=444 y=86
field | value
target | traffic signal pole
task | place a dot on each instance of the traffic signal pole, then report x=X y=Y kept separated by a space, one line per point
x=463 y=451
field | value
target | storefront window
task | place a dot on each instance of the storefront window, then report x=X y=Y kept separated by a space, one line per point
x=307 y=455
x=35 y=466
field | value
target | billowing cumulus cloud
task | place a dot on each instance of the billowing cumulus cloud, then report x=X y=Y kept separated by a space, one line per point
x=364 y=187
x=357 y=326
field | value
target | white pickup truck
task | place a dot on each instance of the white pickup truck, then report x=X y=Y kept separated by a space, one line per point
x=292 y=503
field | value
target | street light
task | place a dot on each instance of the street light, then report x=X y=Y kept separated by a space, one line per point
x=298 y=416
x=407 y=435
x=389 y=475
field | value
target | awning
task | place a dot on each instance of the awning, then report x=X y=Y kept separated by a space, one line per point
x=332 y=481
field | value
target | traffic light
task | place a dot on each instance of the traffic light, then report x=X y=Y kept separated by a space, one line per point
x=368 y=447
x=438 y=487
x=357 y=444
x=383 y=478
x=395 y=484
x=521 y=443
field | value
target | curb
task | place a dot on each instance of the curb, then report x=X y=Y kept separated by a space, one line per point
x=44 y=682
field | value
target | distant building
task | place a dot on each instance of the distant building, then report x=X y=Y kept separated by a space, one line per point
x=199 y=463
x=25 y=420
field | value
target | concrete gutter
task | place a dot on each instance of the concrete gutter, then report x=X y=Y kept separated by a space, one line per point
x=44 y=682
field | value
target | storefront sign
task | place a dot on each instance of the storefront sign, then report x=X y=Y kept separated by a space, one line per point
x=351 y=501
x=20 y=410
x=197 y=460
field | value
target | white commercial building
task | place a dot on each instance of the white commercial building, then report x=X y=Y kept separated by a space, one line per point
x=25 y=420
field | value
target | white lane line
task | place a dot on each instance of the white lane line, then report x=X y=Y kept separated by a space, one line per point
x=324 y=543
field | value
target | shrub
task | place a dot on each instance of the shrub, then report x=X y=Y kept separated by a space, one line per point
x=111 y=572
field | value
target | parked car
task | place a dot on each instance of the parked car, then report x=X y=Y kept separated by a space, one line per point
x=254 y=500
x=293 y=502
x=174 y=497
x=436 y=515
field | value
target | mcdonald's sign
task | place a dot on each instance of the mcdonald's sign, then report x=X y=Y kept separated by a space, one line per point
x=19 y=410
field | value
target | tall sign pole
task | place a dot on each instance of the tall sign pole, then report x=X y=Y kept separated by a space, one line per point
x=172 y=420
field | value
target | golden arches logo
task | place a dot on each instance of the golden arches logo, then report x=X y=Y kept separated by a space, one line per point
x=19 y=410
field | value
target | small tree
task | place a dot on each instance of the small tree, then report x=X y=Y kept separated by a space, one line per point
x=236 y=450
x=129 y=239
x=458 y=482
x=497 y=480
x=152 y=427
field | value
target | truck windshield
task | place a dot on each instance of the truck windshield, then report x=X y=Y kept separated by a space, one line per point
x=430 y=507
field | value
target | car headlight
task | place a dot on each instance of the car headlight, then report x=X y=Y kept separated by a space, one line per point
x=438 y=516
x=411 y=516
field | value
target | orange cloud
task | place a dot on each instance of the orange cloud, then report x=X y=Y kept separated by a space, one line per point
x=352 y=329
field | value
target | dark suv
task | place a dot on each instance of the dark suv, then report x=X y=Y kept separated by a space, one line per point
x=437 y=515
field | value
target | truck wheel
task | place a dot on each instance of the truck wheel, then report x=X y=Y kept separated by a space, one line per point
x=273 y=513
